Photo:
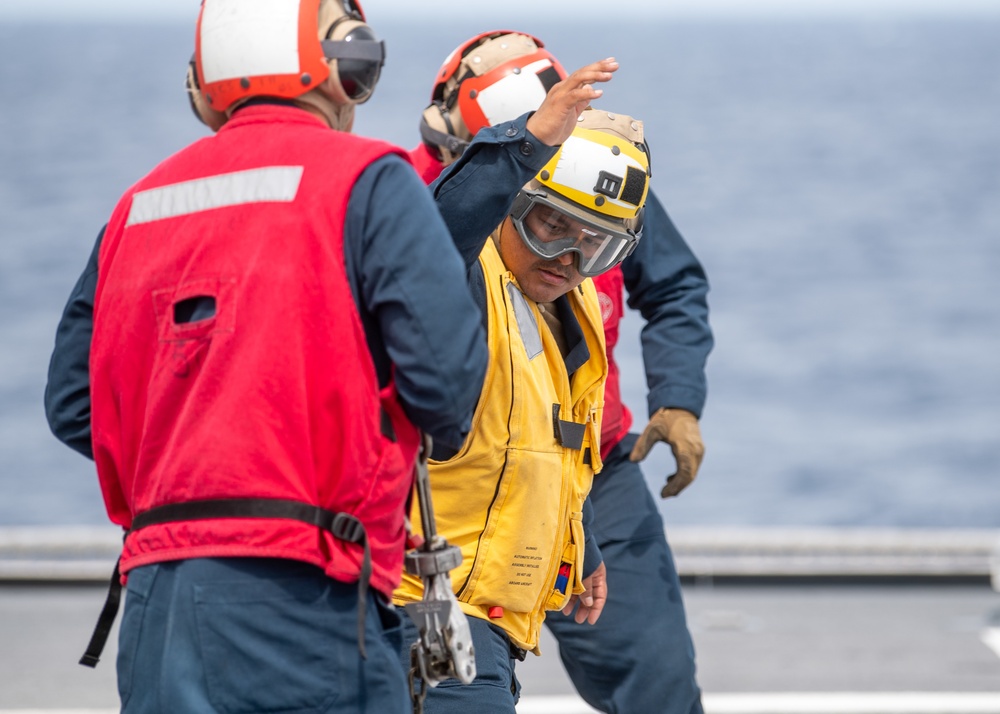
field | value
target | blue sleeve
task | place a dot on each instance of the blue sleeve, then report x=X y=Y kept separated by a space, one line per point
x=667 y=285
x=411 y=289
x=67 y=392
x=474 y=194
x=592 y=557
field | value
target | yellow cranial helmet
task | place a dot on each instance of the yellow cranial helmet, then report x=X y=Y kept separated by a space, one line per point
x=589 y=197
x=491 y=78
x=281 y=48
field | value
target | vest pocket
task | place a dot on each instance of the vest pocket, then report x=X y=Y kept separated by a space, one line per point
x=188 y=315
x=514 y=558
x=568 y=581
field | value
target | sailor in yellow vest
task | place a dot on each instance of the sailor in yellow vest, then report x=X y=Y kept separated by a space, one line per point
x=513 y=497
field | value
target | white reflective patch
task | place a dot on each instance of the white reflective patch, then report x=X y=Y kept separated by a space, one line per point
x=526 y=323
x=514 y=95
x=249 y=38
x=273 y=183
x=581 y=162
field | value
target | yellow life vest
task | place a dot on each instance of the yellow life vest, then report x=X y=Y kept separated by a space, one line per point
x=512 y=498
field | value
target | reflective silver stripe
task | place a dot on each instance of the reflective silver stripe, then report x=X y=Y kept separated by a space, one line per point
x=526 y=324
x=272 y=183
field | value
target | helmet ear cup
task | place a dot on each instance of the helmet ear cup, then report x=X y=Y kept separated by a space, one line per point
x=352 y=78
x=438 y=131
x=199 y=105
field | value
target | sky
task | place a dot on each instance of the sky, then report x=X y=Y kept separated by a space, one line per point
x=430 y=10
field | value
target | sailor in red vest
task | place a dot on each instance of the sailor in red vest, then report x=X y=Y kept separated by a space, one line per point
x=639 y=656
x=268 y=320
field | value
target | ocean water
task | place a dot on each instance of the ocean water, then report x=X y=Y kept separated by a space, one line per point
x=839 y=180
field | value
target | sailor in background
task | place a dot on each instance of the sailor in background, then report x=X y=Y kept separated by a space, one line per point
x=639 y=656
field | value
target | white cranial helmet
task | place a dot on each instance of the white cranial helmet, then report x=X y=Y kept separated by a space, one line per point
x=320 y=52
x=492 y=78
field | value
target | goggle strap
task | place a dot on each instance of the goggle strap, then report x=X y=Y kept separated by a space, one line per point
x=522 y=204
x=452 y=99
x=438 y=138
x=369 y=50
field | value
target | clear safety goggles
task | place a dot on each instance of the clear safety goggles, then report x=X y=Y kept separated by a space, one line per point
x=549 y=232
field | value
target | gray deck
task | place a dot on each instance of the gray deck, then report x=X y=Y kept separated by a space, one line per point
x=901 y=638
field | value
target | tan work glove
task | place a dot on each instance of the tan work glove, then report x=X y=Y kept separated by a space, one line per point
x=679 y=428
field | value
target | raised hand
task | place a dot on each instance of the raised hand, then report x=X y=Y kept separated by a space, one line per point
x=556 y=117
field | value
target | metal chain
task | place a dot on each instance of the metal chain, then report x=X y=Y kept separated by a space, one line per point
x=417 y=697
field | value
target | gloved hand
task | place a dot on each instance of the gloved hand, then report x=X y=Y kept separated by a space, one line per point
x=679 y=428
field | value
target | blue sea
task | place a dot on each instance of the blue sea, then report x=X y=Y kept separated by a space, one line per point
x=839 y=180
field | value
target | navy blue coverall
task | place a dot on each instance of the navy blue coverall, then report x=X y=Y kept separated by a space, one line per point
x=639 y=657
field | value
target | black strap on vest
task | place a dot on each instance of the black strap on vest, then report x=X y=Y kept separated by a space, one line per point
x=104 y=622
x=568 y=433
x=343 y=526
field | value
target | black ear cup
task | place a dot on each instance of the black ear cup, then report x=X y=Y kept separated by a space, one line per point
x=356 y=57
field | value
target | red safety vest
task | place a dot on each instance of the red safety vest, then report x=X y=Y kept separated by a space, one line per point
x=229 y=363
x=617 y=418
x=426 y=163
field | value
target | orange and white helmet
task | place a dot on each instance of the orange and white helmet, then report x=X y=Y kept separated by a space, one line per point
x=492 y=78
x=589 y=198
x=284 y=49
